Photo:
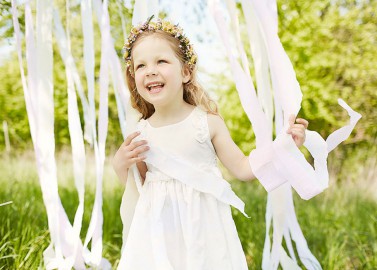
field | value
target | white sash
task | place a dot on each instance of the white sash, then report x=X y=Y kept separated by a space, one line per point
x=204 y=181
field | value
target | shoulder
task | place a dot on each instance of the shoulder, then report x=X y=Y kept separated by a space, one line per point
x=214 y=119
x=216 y=124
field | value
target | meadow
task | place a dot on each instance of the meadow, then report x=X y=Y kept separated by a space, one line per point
x=340 y=225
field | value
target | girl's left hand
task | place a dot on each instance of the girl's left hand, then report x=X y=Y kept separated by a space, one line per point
x=297 y=130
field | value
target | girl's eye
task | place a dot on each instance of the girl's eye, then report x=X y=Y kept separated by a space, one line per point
x=139 y=66
x=162 y=61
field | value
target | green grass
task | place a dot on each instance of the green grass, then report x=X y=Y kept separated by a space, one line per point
x=340 y=225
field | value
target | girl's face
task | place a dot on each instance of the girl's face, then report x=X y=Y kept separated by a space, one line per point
x=159 y=75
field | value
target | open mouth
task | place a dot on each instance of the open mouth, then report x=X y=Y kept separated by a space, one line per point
x=155 y=87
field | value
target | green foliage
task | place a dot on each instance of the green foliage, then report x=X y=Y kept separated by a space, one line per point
x=332 y=47
x=236 y=120
x=13 y=108
x=331 y=44
x=6 y=27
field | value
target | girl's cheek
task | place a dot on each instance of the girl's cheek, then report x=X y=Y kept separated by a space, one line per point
x=138 y=77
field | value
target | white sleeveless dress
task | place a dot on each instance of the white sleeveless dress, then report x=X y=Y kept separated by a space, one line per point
x=175 y=226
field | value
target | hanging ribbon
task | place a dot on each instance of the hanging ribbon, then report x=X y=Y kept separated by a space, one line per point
x=94 y=233
x=76 y=136
x=275 y=163
x=38 y=91
x=144 y=9
x=283 y=214
x=66 y=246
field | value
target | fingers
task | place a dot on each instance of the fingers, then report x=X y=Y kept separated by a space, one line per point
x=296 y=126
x=297 y=123
x=130 y=137
x=297 y=129
x=133 y=148
x=139 y=150
x=300 y=132
x=303 y=122
x=136 y=144
x=130 y=152
x=292 y=120
x=136 y=155
x=138 y=159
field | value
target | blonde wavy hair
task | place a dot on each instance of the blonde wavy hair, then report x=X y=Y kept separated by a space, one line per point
x=193 y=93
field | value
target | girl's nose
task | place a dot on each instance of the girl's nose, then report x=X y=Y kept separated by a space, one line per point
x=151 y=71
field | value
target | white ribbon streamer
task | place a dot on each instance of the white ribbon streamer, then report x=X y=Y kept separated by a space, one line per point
x=260 y=60
x=278 y=162
x=66 y=246
x=77 y=138
x=283 y=223
x=143 y=9
x=122 y=19
x=94 y=233
x=39 y=102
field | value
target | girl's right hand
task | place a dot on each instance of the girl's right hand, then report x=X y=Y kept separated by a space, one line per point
x=129 y=153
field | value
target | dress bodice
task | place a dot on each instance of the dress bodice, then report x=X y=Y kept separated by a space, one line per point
x=188 y=140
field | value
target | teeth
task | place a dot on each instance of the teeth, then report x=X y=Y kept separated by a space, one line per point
x=154 y=85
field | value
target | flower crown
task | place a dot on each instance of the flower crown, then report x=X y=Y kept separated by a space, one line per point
x=174 y=30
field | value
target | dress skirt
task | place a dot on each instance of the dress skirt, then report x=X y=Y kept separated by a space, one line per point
x=176 y=227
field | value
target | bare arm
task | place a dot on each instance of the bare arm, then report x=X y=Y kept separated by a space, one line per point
x=230 y=154
x=227 y=151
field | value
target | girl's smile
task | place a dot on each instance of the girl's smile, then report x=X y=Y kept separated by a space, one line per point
x=155 y=87
x=159 y=75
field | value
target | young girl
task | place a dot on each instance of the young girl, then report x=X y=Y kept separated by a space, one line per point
x=182 y=219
